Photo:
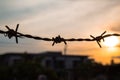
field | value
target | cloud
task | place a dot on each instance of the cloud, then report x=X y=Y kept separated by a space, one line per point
x=79 y=16
x=116 y=27
x=70 y=18
x=17 y=9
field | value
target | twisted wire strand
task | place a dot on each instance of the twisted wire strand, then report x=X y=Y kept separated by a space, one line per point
x=13 y=33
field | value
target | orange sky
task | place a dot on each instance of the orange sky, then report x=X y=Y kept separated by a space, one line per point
x=68 y=18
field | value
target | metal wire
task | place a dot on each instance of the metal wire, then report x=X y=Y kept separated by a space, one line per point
x=13 y=33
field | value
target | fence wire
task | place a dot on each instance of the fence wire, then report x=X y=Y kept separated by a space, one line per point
x=58 y=39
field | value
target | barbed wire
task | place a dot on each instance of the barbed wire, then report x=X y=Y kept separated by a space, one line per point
x=14 y=33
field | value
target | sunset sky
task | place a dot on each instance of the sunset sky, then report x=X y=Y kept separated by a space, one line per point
x=68 y=18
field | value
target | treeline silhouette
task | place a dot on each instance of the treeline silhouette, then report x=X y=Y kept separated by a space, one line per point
x=29 y=69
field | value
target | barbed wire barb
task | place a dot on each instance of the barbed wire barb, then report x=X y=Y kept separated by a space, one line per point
x=99 y=38
x=58 y=39
x=12 y=33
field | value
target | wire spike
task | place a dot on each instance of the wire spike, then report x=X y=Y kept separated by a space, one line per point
x=99 y=44
x=16 y=39
x=65 y=42
x=92 y=36
x=17 y=27
x=103 y=33
x=7 y=27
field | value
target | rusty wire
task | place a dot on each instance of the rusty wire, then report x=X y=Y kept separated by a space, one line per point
x=13 y=33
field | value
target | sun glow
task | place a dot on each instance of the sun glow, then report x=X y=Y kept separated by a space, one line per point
x=111 y=41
